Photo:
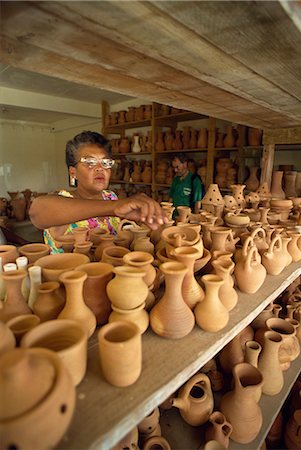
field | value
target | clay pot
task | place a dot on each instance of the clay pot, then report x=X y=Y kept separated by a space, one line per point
x=130 y=280
x=210 y=314
x=120 y=351
x=276 y=186
x=54 y=265
x=202 y=138
x=142 y=261
x=106 y=240
x=65 y=337
x=15 y=303
x=136 y=144
x=239 y=405
x=136 y=315
x=84 y=248
x=114 y=255
x=48 y=303
x=195 y=400
x=7 y=338
x=218 y=429
x=269 y=364
x=124 y=145
x=229 y=140
x=212 y=197
x=95 y=295
x=95 y=235
x=252 y=182
x=8 y=254
x=270 y=311
x=21 y=325
x=171 y=317
x=292 y=435
x=34 y=251
x=249 y=272
x=80 y=235
x=144 y=244
x=254 y=136
x=234 y=352
x=75 y=307
x=33 y=417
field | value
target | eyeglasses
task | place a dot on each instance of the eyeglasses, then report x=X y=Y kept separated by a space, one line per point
x=91 y=162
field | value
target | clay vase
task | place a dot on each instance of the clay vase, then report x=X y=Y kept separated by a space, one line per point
x=183 y=213
x=219 y=142
x=136 y=144
x=7 y=338
x=290 y=184
x=227 y=294
x=142 y=261
x=193 y=138
x=143 y=244
x=202 y=138
x=239 y=405
x=220 y=236
x=292 y=434
x=218 y=429
x=32 y=418
x=14 y=303
x=177 y=143
x=237 y=190
x=252 y=351
x=130 y=280
x=254 y=136
x=8 y=253
x=95 y=295
x=229 y=139
x=234 y=352
x=211 y=198
x=268 y=312
x=293 y=246
x=285 y=253
x=146 y=175
x=272 y=259
x=65 y=337
x=75 y=307
x=269 y=364
x=160 y=145
x=48 y=303
x=210 y=314
x=95 y=235
x=195 y=400
x=171 y=317
x=252 y=182
x=138 y=232
x=20 y=325
x=106 y=240
x=249 y=272
x=124 y=145
x=276 y=186
x=191 y=290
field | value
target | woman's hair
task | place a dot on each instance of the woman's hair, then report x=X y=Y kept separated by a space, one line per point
x=82 y=139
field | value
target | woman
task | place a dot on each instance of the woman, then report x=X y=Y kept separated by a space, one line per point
x=91 y=204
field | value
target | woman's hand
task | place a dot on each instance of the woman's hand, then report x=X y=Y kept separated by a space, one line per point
x=141 y=208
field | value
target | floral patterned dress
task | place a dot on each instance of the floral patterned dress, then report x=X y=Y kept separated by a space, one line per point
x=109 y=223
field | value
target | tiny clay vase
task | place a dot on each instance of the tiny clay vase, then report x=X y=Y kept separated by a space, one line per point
x=269 y=364
x=239 y=405
x=171 y=317
x=195 y=400
x=48 y=303
x=227 y=294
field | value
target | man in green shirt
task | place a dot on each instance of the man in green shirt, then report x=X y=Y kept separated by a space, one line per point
x=186 y=188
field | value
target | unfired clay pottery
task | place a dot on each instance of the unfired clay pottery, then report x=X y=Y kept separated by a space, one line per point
x=20 y=325
x=171 y=317
x=95 y=235
x=285 y=253
x=75 y=307
x=272 y=259
x=237 y=190
x=128 y=280
x=290 y=184
x=150 y=422
x=106 y=240
x=156 y=442
x=120 y=351
x=234 y=352
x=129 y=441
x=210 y=314
x=54 y=265
x=202 y=138
x=95 y=295
x=218 y=429
x=7 y=338
x=249 y=272
x=293 y=246
x=227 y=294
x=143 y=244
x=212 y=197
x=254 y=136
x=136 y=315
x=34 y=251
x=48 y=303
x=8 y=253
x=84 y=248
x=239 y=405
x=252 y=183
x=14 y=303
x=143 y=261
x=292 y=434
x=276 y=187
x=191 y=290
x=36 y=417
x=114 y=255
x=269 y=364
x=195 y=400
x=67 y=338
x=269 y=311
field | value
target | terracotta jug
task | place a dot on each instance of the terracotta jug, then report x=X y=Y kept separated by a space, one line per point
x=249 y=272
x=95 y=295
x=269 y=364
x=195 y=400
x=14 y=303
x=285 y=253
x=48 y=303
x=234 y=352
x=191 y=290
x=272 y=259
x=171 y=317
x=294 y=248
x=75 y=307
x=268 y=312
x=239 y=405
x=210 y=314
x=130 y=280
x=218 y=429
x=227 y=294
x=276 y=186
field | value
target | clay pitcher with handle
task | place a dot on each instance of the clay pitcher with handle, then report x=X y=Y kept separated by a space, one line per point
x=272 y=259
x=249 y=272
x=195 y=400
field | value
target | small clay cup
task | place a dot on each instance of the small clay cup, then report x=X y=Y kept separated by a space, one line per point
x=20 y=325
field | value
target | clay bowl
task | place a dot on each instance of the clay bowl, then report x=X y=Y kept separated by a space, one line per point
x=8 y=253
x=34 y=251
x=20 y=325
x=54 y=265
x=65 y=337
x=237 y=219
x=36 y=417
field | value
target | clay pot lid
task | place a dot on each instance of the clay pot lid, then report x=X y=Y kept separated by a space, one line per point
x=26 y=378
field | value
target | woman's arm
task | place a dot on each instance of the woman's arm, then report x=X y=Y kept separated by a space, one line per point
x=55 y=210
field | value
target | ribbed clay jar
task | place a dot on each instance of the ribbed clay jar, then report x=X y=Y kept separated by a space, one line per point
x=128 y=289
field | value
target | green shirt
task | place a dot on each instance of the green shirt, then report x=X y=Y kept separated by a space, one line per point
x=186 y=192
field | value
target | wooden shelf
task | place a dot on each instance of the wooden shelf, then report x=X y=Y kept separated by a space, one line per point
x=186 y=150
x=129 y=182
x=104 y=414
x=131 y=154
x=118 y=128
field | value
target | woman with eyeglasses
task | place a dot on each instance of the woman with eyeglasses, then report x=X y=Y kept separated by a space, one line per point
x=91 y=204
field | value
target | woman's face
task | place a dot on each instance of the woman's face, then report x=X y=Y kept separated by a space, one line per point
x=91 y=180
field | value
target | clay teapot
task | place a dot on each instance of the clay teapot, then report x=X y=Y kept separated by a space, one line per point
x=195 y=400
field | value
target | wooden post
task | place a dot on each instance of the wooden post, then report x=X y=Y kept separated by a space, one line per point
x=267 y=163
x=210 y=151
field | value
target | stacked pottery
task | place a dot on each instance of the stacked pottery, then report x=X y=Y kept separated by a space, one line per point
x=269 y=364
x=195 y=400
x=282 y=206
x=252 y=182
x=129 y=307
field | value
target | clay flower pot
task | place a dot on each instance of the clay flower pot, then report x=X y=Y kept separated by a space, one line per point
x=36 y=417
x=34 y=251
x=65 y=337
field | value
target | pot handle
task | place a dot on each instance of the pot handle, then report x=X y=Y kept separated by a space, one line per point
x=126 y=222
x=276 y=241
x=252 y=254
x=257 y=232
x=248 y=243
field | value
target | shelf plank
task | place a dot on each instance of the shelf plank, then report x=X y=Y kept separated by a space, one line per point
x=104 y=414
x=129 y=182
x=186 y=150
x=131 y=154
